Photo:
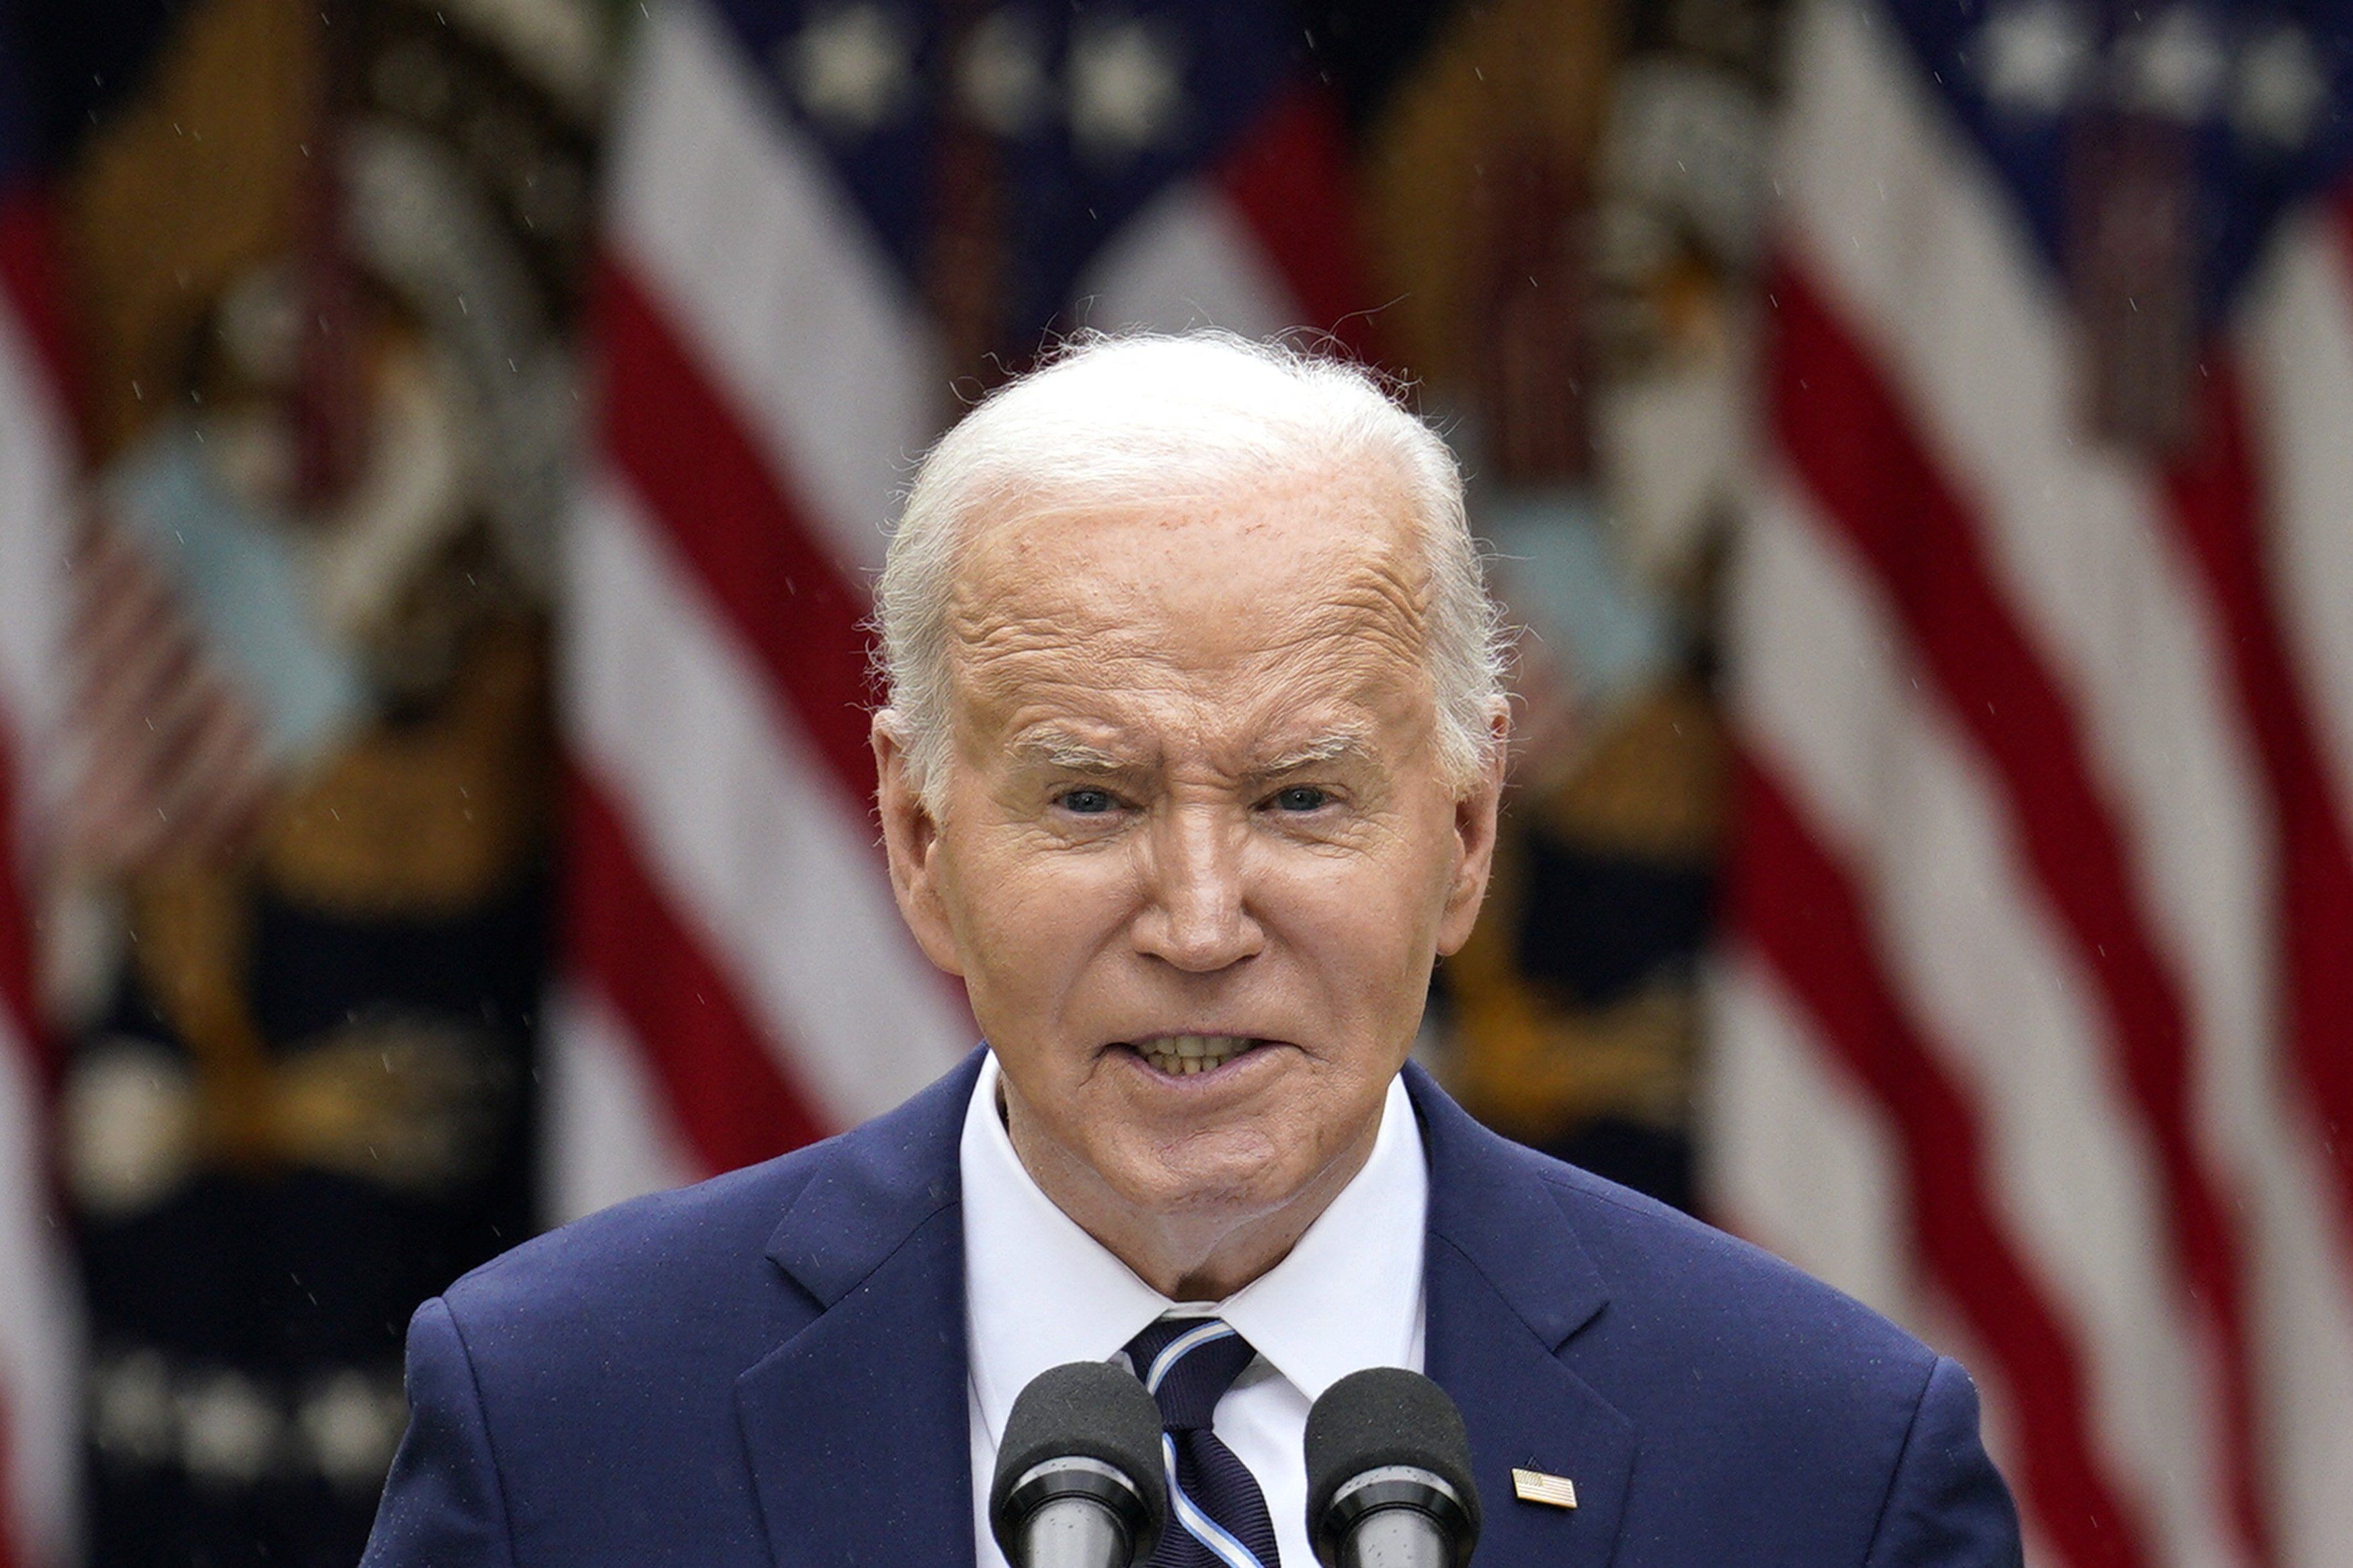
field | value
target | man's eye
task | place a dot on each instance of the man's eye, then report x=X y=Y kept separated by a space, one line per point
x=1086 y=802
x=1301 y=797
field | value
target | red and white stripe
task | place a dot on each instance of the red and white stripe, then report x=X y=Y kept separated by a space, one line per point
x=2030 y=1026
x=168 y=755
x=738 y=979
x=37 y=1329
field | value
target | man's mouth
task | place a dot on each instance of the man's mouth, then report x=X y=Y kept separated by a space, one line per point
x=1183 y=1056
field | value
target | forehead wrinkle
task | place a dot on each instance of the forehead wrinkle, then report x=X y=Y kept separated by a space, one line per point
x=985 y=628
x=1350 y=609
x=1037 y=685
x=1002 y=654
x=1383 y=603
x=1376 y=565
x=1029 y=685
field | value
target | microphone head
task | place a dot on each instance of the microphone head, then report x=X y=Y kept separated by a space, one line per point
x=1067 y=1426
x=1387 y=1420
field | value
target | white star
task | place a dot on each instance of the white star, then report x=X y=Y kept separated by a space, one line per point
x=352 y=1426
x=850 y=68
x=131 y=1407
x=2033 y=55
x=1123 y=90
x=2174 y=66
x=130 y=1126
x=1002 y=76
x=2279 y=90
x=229 y=1431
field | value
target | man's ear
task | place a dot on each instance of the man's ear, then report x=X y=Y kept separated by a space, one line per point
x=910 y=838
x=1476 y=811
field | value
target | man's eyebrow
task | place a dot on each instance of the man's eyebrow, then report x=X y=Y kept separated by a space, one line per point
x=1059 y=749
x=1337 y=746
x=1050 y=747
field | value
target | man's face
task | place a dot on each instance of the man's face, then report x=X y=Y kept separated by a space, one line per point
x=1195 y=853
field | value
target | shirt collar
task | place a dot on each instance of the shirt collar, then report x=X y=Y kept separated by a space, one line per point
x=1039 y=1291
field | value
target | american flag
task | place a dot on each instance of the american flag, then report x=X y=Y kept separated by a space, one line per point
x=818 y=216
x=37 y=465
x=2037 y=1021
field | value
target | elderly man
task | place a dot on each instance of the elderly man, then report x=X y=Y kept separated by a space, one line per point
x=1190 y=771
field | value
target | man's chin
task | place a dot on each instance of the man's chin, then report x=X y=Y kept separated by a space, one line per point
x=1211 y=1194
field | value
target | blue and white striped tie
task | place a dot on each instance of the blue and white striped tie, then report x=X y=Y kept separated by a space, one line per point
x=1218 y=1516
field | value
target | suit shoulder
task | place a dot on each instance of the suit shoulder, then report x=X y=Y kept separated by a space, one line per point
x=650 y=1235
x=684 y=1245
x=1674 y=1275
x=597 y=1365
x=638 y=1263
x=722 y=1269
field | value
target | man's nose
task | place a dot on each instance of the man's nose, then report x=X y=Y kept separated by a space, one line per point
x=1198 y=915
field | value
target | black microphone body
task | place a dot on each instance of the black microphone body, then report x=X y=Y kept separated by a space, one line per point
x=1076 y=1523
x=1395 y=1537
x=1394 y=1516
x=1079 y=1481
x=1389 y=1475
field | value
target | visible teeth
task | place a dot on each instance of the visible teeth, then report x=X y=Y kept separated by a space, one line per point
x=1182 y=1055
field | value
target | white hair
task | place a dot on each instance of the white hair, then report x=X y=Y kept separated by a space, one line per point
x=1133 y=419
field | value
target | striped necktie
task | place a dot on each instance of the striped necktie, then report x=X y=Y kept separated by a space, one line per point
x=1218 y=1516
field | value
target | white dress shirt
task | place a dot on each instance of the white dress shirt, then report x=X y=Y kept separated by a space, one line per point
x=1039 y=1291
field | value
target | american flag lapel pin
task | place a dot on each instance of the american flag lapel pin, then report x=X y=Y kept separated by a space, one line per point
x=1534 y=1486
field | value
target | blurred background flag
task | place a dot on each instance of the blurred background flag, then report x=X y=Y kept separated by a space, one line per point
x=291 y=801
x=819 y=219
x=38 y=459
x=2037 y=1025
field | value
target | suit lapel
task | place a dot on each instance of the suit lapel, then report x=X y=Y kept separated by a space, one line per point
x=1509 y=1286
x=858 y=1426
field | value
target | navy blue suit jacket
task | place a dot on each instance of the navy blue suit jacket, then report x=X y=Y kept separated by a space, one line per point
x=769 y=1369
